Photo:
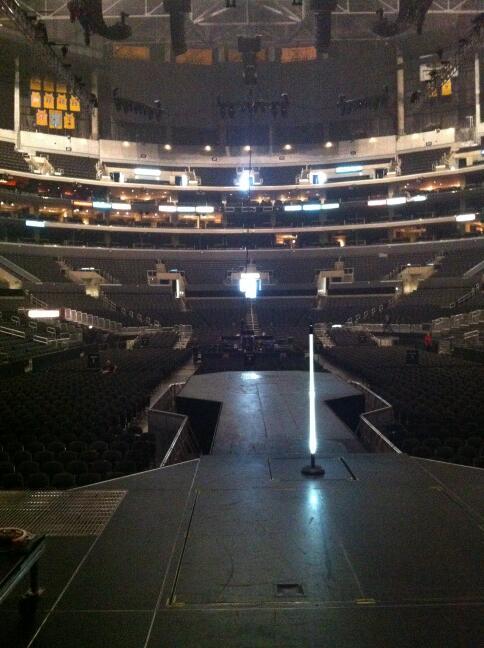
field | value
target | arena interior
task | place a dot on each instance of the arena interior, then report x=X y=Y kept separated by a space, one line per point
x=241 y=323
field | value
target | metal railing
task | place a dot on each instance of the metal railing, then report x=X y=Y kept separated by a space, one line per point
x=378 y=414
x=85 y=319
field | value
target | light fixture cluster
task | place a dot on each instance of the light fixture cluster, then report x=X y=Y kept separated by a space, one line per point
x=395 y=200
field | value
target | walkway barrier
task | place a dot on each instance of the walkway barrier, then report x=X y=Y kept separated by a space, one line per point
x=378 y=414
x=175 y=441
x=85 y=319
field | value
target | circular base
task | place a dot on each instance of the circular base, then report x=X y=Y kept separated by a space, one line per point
x=313 y=471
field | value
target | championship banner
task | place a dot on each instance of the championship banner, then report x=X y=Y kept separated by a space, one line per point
x=132 y=52
x=196 y=57
x=48 y=85
x=35 y=100
x=61 y=102
x=297 y=54
x=49 y=100
x=74 y=104
x=55 y=119
x=35 y=83
x=69 y=121
x=41 y=118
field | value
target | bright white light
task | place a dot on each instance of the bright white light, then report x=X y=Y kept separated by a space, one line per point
x=292 y=208
x=353 y=168
x=312 y=207
x=207 y=148
x=330 y=206
x=167 y=147
x=418 y=198
x=249 y=284
x=397 y=200
x=167 y=208
x=121 y=206
x=40 y=313
x=287 y=147
x=318 y=178
x=247 y=148
x=146 y=171
x=101 y=205
x=337 y=326
x=377 y=202
x=313 y=441
x=204 y=209
x=328 y=145
x=34 y=223
x=244 y=180
x=465 y=218
x=185 y=209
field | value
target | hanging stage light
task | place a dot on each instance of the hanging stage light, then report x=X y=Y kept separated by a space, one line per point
x=177 y=10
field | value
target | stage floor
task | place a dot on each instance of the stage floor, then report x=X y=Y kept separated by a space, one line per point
x=243 y=551
x=267 y=412
x=226 y=551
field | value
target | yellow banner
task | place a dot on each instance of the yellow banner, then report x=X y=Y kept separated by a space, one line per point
x=61 y=102
x=49 y=100
x=35 y=100
x=35 y=83
x=41 y=118
x=74 y=104
x=132 y=52
x=49 y=85
x=196 y=57
x=447 y=88
x=69 y=121
x=295 y=54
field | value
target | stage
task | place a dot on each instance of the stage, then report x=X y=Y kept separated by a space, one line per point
x=241 y=550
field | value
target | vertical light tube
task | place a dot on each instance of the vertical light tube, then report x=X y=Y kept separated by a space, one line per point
x=313 y=441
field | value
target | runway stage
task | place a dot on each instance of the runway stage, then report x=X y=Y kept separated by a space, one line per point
x=267 y=413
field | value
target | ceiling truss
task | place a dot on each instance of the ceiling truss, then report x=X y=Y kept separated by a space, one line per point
x=279 y=22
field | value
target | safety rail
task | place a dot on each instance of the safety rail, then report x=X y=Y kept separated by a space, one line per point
x=14 y=332
x=468 y=295
x=369 y=312
x=378 y=413
x=85 y=319
x=174 y=438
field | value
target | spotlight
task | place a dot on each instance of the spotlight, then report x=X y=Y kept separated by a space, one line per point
x=167 y=147
x=207 y=148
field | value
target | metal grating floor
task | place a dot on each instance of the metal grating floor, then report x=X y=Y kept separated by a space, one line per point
x=69 y=513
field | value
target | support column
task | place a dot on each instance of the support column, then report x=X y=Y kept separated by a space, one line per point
x=477 y=87
x=16 y=102
x=400 y=95
x=95 y=111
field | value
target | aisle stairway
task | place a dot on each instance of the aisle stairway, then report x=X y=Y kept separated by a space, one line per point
x=252 y=320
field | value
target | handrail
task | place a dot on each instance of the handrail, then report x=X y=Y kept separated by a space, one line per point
x=369 y=432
